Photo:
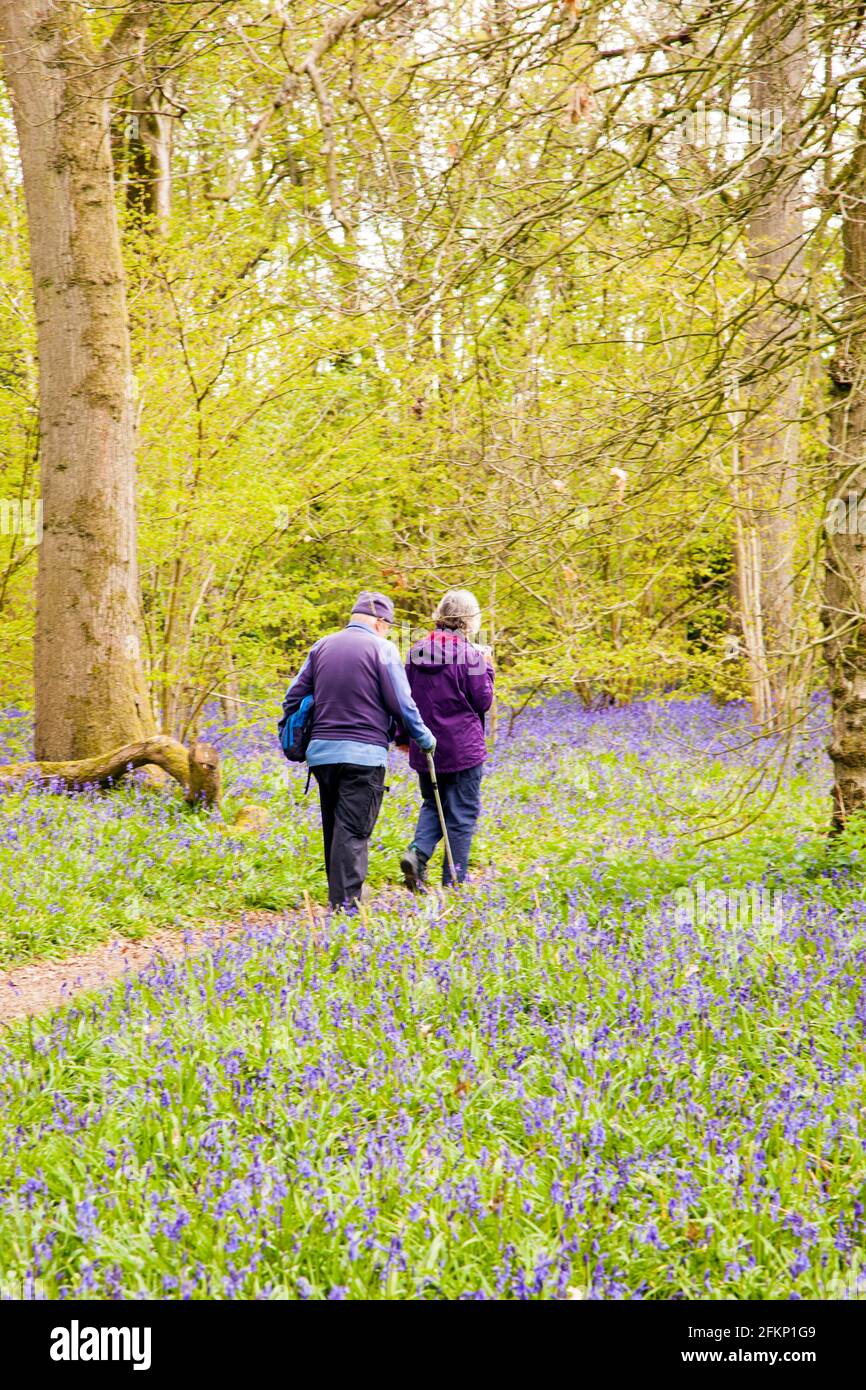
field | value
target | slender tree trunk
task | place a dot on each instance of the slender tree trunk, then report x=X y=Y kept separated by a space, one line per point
x=747 y=545
x=771 y=442
x=150 y=139
x=844 y=611
x=90 y=690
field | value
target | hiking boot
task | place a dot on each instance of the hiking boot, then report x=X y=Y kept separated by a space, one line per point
x=414 y=867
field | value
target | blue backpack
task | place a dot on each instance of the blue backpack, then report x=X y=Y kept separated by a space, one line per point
x=295 y=730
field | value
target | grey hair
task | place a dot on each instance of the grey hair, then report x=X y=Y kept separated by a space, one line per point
x=459 y=609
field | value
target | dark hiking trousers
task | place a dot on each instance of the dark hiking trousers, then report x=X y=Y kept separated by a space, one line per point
x=350 y=797
x=460 y=793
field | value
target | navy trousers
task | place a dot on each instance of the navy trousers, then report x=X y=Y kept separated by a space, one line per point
x=461 y=803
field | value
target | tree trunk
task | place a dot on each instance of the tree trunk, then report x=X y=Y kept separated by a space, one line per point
x=771 y=440
x=749 y=588
x=150 y=138
x=230 y=698
x=844 y=610
x=90 y=689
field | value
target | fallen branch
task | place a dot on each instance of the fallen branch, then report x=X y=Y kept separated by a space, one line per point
x=197 y=769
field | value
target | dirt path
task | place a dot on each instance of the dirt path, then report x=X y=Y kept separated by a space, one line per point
x=42 y=985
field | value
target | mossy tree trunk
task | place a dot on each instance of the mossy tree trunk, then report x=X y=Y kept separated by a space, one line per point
x=90 y=688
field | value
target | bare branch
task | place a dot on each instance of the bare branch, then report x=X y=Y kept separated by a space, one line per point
x=327 y=118
x=126 y=37
x=672 y=40
x=346 y=23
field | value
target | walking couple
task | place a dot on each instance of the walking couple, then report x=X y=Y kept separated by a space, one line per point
x=363 y=699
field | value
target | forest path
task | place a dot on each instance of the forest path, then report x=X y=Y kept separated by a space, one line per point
x=43 y=985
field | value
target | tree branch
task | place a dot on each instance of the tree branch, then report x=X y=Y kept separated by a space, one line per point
x=327 y=117
x=679 y=36
x=127 y=34
x=376 y=9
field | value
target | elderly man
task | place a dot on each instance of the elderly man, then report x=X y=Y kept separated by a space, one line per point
x=361 y=695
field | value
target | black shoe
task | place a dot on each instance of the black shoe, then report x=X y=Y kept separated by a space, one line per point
x=413 y=868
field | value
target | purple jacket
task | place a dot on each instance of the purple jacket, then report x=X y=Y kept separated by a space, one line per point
x=452 y=685
x=361 y=695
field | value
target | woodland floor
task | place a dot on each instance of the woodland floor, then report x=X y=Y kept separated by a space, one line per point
x=553 y=1082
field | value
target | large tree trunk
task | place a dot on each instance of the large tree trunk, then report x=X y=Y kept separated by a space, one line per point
x=844 y=611
x=90 y=690
x=768 y=528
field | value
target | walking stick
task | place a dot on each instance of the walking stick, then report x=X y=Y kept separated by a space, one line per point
x=431 y=766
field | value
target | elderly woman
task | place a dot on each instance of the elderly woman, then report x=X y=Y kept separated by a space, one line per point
x=451 y=681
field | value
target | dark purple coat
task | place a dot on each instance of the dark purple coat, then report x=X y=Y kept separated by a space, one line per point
x=452 y=684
